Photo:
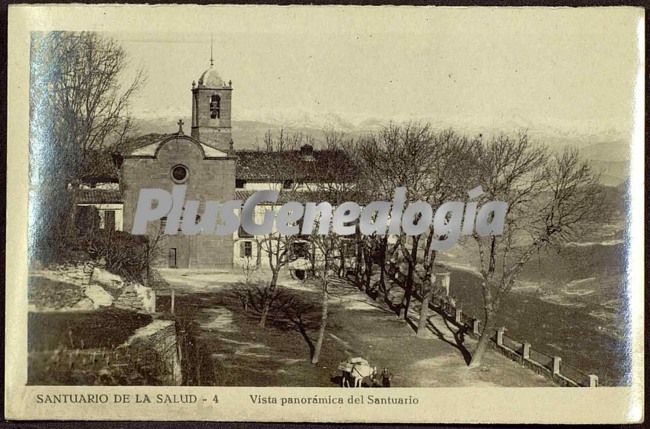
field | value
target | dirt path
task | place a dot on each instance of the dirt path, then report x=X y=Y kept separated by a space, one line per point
x=374 y=332
x=230 y=349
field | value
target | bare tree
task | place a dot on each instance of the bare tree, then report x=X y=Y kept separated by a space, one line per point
x=551 y=197
x=447 y=181
x=431 y=165
x=324 y=268
x=284 y=141
x=277 y=248
x=78 y=106
x=268 y=141
x=329 y=250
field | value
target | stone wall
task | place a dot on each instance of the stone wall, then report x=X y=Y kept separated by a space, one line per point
x=128 y=295
x=78 y=273
x=157 y=345
x=209 y=179
x=137 y=297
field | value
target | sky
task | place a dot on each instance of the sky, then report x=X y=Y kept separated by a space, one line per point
x=570 y=69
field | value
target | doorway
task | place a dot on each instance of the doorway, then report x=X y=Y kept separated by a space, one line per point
x=172 y=258
x=109 y=220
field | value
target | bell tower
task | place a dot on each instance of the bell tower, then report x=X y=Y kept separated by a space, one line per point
x=211 y=104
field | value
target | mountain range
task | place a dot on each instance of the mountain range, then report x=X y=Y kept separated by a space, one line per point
x=608 y=150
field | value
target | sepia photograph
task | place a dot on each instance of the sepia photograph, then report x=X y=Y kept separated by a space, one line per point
x=393 y=201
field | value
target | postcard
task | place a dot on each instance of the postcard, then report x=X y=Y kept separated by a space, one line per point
x=325 y=214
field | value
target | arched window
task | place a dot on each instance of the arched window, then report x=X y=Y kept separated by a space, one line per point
x=215 y=106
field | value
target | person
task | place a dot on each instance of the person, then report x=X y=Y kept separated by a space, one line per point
x=385 y=377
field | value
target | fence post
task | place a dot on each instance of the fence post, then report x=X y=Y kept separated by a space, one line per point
x=500 y=333
x=459 y=315
x=172 y=303
x=525 y=354
x=556 y=364
x=593 y=380
x=444 y=281
x=475 y=327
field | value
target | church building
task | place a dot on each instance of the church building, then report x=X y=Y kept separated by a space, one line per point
x=206 y=160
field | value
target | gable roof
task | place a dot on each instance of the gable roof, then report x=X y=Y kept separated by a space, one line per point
x=330 y=166
x=149 y=146
x=322 y=166
x=137 y=142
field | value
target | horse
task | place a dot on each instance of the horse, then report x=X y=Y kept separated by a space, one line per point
x=357 y=373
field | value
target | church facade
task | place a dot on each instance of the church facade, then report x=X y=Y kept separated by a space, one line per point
x=208 y=164
x=203 y=161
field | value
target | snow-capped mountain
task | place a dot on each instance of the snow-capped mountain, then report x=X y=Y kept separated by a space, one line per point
x=608 y=148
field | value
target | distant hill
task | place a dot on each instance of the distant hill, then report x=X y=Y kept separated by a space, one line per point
x=607 y=151
x=246 y=134
x=609 y=154
x=612 y=173
x=611 y=159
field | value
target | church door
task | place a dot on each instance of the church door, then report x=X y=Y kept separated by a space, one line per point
x=172 y=258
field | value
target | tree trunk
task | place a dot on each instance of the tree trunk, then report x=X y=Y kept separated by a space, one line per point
x=359 y=257
x=368 y=269
x=269 y=298
x=258 y=258
x=342 y=266
x=323 y=325
x=382 y=262
x=479 y=351
x=70 y=227
x=424 y=311
x=408 y=290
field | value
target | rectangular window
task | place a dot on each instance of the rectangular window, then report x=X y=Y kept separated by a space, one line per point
x=171 y=258
x=246 y=249
x=300 y=249
x=109 y=220
x=163 y=224
x=240 y=183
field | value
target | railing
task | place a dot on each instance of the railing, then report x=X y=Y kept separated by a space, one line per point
x=573 y=373
x=513 y=345
x=541 y=359
x=550 y=366
x=522 y=352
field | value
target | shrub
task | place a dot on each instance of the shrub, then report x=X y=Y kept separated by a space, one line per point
x=125 y=255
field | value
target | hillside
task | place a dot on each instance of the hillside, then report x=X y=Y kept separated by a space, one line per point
x=570 y=303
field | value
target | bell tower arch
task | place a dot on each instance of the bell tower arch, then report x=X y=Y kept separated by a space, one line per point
x=211 y=107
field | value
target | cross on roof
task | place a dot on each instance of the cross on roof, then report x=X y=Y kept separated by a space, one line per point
x=211 y=59
x=180 y=126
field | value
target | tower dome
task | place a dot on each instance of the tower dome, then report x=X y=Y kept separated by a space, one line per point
x=211 y=79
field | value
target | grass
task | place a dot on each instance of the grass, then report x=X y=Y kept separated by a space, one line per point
x=46 y=293
x=104 y=328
